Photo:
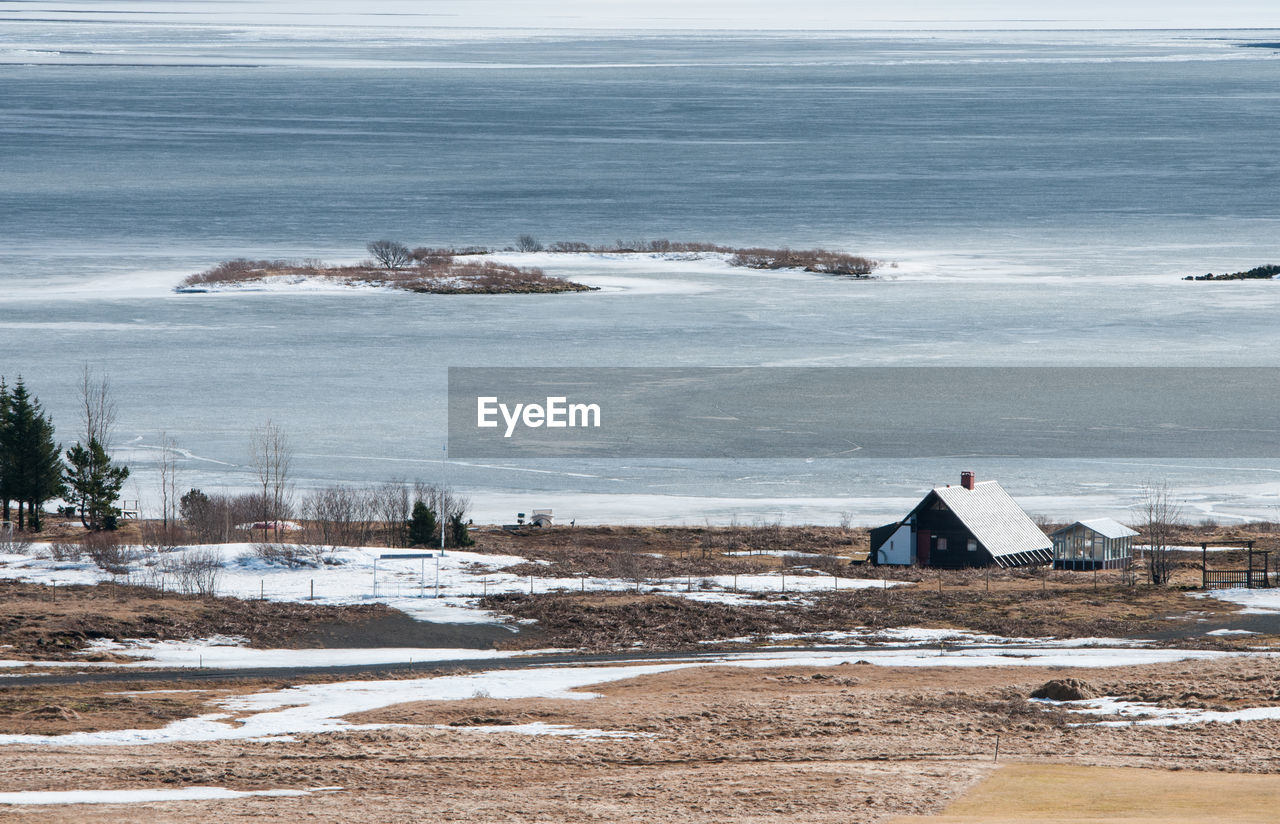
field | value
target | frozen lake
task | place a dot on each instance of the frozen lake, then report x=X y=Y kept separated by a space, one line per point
x=1040 y=194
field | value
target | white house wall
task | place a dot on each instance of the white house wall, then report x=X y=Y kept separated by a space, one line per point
x=900 y=549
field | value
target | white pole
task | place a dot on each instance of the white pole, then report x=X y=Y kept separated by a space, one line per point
x=437 y=576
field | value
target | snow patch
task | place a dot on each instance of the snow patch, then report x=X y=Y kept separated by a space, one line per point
x=439 y=588
x=1144 y=714
x=1254 y=601
x=148 y=796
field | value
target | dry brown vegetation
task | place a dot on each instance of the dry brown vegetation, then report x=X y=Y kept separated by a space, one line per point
x=606 y=621
x=50 y=623
x=432 y=274
x=1052 y=793
x=819 y=261
x=809 y=745
x=440 y=271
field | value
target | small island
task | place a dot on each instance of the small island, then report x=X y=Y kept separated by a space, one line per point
x=474 y=270
x=1269 y=272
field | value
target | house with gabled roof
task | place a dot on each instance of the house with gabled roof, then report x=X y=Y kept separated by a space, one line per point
x=975 y=524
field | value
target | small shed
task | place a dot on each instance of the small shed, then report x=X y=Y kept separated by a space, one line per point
x=974 y=524
x=1098 y=543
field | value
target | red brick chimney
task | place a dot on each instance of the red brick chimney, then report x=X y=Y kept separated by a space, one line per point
x=966 y=480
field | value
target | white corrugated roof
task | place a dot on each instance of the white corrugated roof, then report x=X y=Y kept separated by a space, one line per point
x=994 y=518
x=1107 y=528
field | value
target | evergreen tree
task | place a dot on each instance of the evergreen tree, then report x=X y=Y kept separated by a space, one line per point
x=30 y=464
x=94 y=484
x=6 y=471
x=422 y=525
x=459 y=535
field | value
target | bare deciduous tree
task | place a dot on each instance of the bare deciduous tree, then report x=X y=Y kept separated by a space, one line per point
x=97 y=408
x=393 y=506
x=1158 y=514
x=338 y=516
x=272 y=458
x=168 y=469
x=390 y=254
x=528 y=243
x=161 y=538
x=212 y=519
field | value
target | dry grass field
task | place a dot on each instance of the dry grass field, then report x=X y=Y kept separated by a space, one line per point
x=1060 y=794
x=835 y=744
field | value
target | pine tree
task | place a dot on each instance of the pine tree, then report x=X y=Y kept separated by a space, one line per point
x=6 y=471
x=93 y=484
x=422 y=525
x=30 y=462
x=459 y=535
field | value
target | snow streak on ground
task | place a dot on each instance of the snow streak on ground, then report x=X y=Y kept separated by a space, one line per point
x=921 y=636
x=231 y=653
x=1144 y=714
x=432 y=588
x=1254 y=601
x=320 y=708
x=148 y=796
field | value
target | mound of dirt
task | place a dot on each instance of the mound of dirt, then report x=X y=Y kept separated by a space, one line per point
x=52 y=711
x=1066 y=689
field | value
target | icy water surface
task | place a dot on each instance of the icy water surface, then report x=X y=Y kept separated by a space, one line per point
x=1039 y=192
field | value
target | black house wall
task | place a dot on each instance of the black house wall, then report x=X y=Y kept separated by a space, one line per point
x=944 y=524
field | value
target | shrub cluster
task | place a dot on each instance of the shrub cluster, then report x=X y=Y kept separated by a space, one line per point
x=434 y=271
x=1257 y=273
x=819 y=261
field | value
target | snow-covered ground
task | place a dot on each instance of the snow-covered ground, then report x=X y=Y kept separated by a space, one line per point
x=928 y=636
x=320 y=708
x=1143 y=714
x=1254 y=601
x=438 y=588
x=147 y=796
x=232 y=653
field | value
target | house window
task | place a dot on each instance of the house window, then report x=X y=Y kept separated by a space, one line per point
x=973 y=545
x=942 y=544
